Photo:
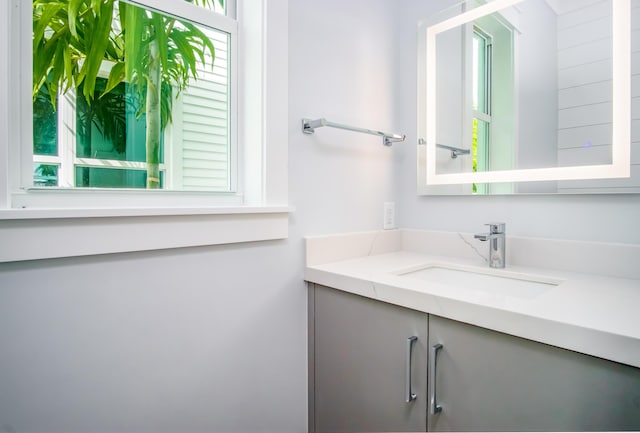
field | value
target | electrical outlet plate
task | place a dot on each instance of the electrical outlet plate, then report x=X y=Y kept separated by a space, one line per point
x=389 y=221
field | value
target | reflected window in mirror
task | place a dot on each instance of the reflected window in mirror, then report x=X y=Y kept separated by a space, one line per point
x=492 y=136
x=481 y=93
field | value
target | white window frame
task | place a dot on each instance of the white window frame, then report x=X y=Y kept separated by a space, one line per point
x=483 y=114
x=21 y=196
x=35 y=217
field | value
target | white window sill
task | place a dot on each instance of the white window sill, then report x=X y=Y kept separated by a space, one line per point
x=33 y=234
x=44 y=213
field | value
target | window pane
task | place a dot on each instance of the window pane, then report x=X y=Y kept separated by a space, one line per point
x=45 y=124
x=45 y=175
x=168 y=104
x=480 y=145
x=97 y=177
x=110 y=126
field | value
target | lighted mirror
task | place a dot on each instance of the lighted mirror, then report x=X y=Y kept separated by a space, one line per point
x=535 y=91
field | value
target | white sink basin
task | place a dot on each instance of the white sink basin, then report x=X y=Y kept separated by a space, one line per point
x=488 y=282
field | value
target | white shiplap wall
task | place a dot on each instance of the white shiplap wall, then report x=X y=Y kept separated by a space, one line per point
x=584 y=92
x=201 y=147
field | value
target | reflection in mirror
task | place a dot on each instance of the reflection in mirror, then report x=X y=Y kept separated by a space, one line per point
x=530 y=86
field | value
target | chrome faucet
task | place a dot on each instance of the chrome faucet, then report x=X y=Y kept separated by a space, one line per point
x=497 y=247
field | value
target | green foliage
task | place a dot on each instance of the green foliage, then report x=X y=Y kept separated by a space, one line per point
x=72 y=39
x=107 y=114
x=45 y=175
x=180 y=43
x=45 y=125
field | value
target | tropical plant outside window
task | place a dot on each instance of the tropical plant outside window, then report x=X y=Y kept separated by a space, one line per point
x=126 y=97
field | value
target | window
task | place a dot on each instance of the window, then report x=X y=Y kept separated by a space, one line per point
x=213 y=146
x=481 y=104
x=142 y=105
x=493 y=108
x=41 y=178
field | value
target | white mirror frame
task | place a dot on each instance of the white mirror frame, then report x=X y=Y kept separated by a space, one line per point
x=621 y=123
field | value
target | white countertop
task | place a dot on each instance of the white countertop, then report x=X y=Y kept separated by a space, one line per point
x=589 y=313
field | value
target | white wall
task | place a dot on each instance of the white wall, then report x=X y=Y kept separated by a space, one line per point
x=608 y=218
x=202 y=339
x=584 y=96
x=585 y=85
x=341 y=68
x=211 y=338
x=537 y=122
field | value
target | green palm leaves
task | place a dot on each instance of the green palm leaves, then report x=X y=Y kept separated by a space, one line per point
x=180 y=45
x=73 y=39
x=76 y=41
x=70 y=40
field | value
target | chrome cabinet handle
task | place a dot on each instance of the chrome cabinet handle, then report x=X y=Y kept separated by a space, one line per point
x=410 y=396
x=434 y=407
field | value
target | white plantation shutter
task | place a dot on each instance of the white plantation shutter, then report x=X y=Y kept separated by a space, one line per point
x=202 y=151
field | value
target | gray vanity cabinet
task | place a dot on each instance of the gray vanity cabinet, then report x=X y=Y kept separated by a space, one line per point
x=358 y=364
x=484 y=380
x=487 y=380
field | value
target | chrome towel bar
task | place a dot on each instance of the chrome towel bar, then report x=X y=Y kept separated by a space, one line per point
x=455 y=151
x=309 y=126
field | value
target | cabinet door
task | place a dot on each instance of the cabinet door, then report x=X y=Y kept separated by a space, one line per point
x=486 y=380
x=360 y=364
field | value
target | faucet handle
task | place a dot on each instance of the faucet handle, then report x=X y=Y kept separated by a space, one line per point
x=496 y=228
